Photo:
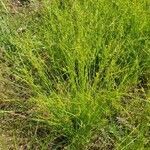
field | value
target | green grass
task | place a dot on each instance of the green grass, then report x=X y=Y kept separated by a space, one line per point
x=75 y=74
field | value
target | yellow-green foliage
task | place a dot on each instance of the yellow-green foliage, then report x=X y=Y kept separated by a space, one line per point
x=85 y=66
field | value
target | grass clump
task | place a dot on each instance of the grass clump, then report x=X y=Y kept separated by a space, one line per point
x=78 y=73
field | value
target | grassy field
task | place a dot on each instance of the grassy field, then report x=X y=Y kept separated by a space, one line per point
x=75 y=75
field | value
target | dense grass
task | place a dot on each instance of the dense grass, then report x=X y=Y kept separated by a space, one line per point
x=76 y=73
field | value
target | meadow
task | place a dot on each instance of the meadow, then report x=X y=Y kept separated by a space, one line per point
x=75 y=75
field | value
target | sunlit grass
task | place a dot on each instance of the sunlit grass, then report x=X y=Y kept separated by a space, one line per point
x=83 y=68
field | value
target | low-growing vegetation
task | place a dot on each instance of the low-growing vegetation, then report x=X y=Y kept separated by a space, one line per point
x=74 y=74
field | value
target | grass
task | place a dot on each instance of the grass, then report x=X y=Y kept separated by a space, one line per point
x=75 y=74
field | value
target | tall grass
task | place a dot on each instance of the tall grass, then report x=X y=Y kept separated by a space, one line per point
x=85 y=66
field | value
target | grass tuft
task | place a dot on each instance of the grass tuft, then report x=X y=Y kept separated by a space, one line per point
x=75 y=74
